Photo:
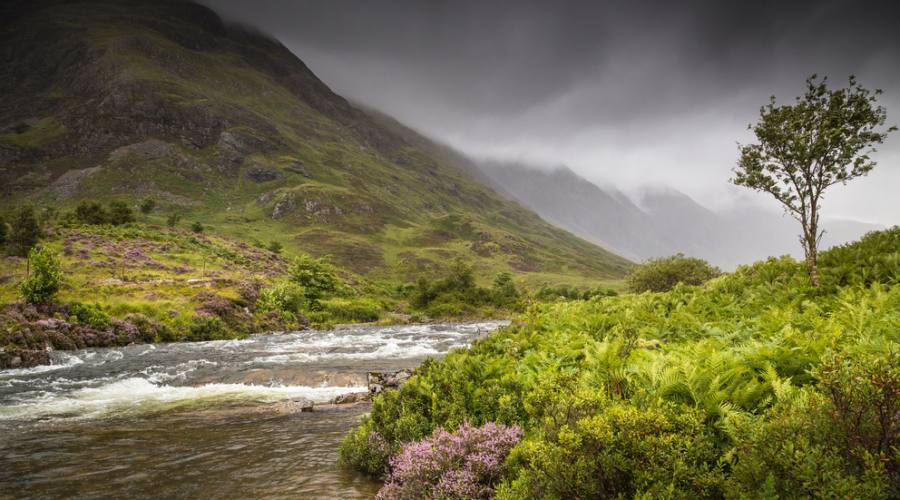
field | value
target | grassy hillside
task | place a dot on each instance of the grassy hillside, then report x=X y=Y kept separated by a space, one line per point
x=110 y=99
x=755 y=385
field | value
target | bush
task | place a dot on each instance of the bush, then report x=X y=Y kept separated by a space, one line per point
x=147 y=205
x=24 y=232
x=2 y=231
x=45 y=276
x=837 y=440
x=285 y=298
x=91 y=315
x=91 y=212
x=197 y=227
x=316 y=276
x=172 y=220
x=275 y=247
x=365 y=451
x=203 y=328
x=661 y=275
x=120 y=213
x=465 y=464
x=359 y=310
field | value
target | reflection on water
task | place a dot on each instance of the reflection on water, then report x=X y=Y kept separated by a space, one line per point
x=194 y=420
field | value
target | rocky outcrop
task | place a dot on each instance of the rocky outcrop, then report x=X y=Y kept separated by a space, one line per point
x=387 y=380
x=23 y=358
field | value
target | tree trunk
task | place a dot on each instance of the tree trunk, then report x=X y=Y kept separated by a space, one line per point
x=812 y=263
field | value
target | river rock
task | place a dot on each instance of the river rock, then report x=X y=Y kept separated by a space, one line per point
x=352 y=397
x=380 y=381
x=291 y=406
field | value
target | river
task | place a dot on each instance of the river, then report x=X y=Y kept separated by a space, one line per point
x=195 y=420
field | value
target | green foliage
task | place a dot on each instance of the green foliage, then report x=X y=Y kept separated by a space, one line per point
x=120 y=213
x=173 y=219
x=838 y=440
x=662 y=274
x=24 y=232
x=356 y=310
x=286 y=298
x=317 y=277
x=91 y=212
x=756 y=384
x=91 y=315
x=365 y=451
x=45 y=276
x=457 y=294
x=569 y=292
x=147 y=205
x=3 y=231
x=203 y=328
x=275 y=247
x=197 y=227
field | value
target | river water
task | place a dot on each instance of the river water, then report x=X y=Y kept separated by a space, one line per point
x=197 y=420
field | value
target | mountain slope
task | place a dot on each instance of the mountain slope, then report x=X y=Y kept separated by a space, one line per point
x=115 y=99
x=663 y=221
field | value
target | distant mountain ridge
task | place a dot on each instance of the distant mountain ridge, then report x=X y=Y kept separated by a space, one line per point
x=660 y=221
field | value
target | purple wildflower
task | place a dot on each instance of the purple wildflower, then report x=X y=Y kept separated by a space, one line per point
x=463 y=464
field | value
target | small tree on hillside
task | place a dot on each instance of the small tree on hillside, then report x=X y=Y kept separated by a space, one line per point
x=823 y=139
x=316 y=276
x=120 y=213
x=148 y=205
x=44 y=276
x=24 y=231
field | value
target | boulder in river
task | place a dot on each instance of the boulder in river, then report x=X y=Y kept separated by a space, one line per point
x=380 y=381
x=291 y=406
x=352 y=397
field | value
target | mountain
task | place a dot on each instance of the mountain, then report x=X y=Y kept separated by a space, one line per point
x=659 y=221
x=114 y=99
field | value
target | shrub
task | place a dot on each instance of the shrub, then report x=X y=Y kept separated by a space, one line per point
x=660 y=275
x=316 y=276
x=365 y=451
x=24 y=231
x=91 y=315
x=286 y=298
x=465 y=464
x=45 y=276
x=204 y=328
x=147 y=205
x=620 y=451
x=2 y=230
x=91 y=212
x=120 y=213
x=197 y=227
x=838 y=440
x=275 y=247
x=173 y=219
x=351 y=310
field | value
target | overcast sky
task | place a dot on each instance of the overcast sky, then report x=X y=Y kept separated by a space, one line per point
x=625 y=93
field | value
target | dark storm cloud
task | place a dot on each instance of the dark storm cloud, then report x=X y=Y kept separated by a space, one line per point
x=624 y=92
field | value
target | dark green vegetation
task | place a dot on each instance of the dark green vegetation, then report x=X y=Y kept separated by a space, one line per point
x=112 y=101
x=825 y=138
x=756 y=384
x=663 y=274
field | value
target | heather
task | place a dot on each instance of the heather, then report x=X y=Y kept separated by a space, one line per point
x=465 y=464
x=754 y=383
